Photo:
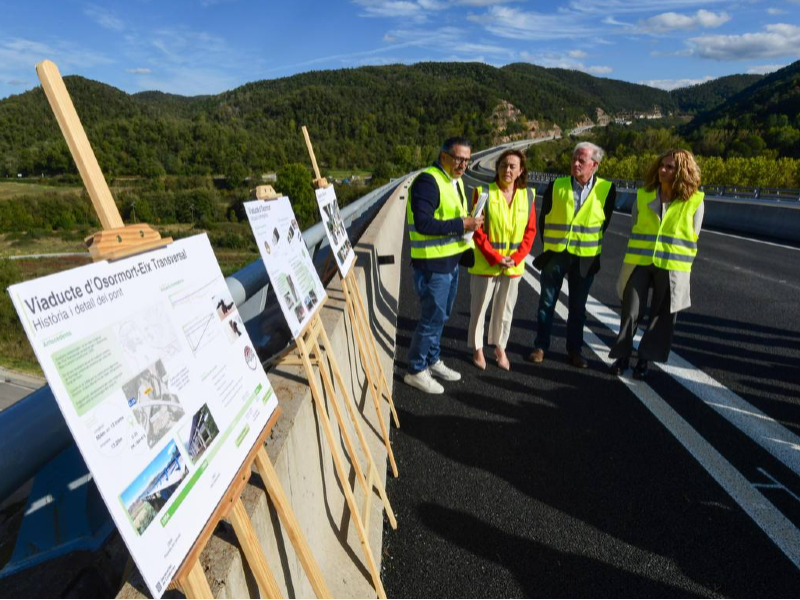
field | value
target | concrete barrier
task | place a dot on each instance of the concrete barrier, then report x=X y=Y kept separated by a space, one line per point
x=769 y=218
x=300 y=454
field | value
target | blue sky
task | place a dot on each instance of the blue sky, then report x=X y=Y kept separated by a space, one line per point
x=195 y=47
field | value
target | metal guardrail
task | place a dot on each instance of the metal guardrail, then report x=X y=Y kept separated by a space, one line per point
x=33 y=431
x=729 y=191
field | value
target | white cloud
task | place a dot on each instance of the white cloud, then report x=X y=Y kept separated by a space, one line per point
x=20 y=53
x=391 y=8
x=672 y=21
x=780 y=39
x=598 y=70
x=776 y=11
x=513 y=23
x=139 y=71
x=626 y=6
x=104 y=17
x=577 y=54
x=764 y=69
x=674 y=84
x=484 y=2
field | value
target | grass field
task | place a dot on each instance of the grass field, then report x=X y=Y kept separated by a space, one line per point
x=10 y=189
x=345 y=173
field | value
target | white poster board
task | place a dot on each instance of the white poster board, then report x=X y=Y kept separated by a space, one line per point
x=334 y=227
x=159 y=383
x=291 y=272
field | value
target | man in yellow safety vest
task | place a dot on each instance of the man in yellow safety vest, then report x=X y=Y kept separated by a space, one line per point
x=575 y=213
x=437 y=219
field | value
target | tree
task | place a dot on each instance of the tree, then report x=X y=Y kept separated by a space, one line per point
x=294 y=180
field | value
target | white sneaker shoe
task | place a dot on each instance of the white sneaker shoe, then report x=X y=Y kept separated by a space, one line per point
x=424 y=382
x=442 y=371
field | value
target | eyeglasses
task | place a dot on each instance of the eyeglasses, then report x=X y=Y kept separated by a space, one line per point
x=459 y=160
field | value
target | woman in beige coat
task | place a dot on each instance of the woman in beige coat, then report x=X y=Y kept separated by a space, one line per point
x=666 y=222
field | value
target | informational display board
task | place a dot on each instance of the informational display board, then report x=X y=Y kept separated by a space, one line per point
x=159 y=384
x=289 y=266
x=334 y=227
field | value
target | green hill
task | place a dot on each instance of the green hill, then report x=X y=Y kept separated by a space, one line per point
x=763 y=118
x=711 y=94
x=363 y=117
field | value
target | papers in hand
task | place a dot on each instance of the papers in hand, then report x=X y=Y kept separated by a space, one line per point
x=477 y=211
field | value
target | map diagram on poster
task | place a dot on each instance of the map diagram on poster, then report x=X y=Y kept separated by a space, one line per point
x=159 y=384
x=291 y=272
x=334 y=227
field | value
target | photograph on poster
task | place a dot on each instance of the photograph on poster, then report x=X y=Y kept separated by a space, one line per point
x=335 y=229
x=149 y=492
x=197 y=435
x=234 y=328
x=155 y=408
x=224 y=305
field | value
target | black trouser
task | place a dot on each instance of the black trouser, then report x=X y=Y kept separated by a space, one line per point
x=657 y=339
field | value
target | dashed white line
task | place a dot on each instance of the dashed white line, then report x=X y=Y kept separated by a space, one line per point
x=779 y=529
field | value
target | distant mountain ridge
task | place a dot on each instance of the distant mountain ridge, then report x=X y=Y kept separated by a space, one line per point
x=357 y=117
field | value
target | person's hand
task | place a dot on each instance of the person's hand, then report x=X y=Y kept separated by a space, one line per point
x=472 y=223
x=507 y=262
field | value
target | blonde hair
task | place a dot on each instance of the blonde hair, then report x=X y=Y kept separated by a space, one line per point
x=687 y=174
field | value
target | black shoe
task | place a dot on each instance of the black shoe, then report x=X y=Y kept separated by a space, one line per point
x=576 y=360
x=619 y=366
x=641 y=369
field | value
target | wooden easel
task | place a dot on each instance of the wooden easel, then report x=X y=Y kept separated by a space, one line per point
x=365 y=338
x=117 y=241
x=311 y=354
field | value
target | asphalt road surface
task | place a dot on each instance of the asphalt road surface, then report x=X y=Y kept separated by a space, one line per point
x=554 y=481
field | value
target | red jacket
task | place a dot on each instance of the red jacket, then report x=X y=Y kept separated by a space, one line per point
x=483 y=243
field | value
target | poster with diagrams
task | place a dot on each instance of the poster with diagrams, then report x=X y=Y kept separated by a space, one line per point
x=334 y=227
x=291 y=272
x=159 y=384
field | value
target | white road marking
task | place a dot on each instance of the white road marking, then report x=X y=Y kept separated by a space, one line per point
x=779 y=529
x=761 y=428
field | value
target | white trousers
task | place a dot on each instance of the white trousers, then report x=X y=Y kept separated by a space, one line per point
x=502 y=291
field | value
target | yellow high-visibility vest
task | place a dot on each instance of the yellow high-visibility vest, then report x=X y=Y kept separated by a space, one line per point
x=582 y=233
x=451 y=206
x=669 y=243
x=505 y=225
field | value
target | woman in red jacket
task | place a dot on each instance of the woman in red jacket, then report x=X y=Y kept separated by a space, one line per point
x=501 y=245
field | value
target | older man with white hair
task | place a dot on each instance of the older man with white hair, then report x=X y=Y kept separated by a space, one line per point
x=575 y=213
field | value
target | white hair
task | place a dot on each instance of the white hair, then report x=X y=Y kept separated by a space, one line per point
x=597 y=152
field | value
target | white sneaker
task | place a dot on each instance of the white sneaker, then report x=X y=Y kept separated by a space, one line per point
x=442 y=371
x=424 y=382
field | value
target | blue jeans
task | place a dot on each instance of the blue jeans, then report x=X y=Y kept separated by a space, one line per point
x=437 y=293
x=562 y=265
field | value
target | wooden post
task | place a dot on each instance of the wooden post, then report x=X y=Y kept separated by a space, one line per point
x=289 y=521
x=362 y=315
x=362 y=331
x=117 y=240
x=370 y=359
x=319 y=181
x=308 y=344
x=194 y=584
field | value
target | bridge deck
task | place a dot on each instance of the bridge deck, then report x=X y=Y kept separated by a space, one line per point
x=551 y=481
